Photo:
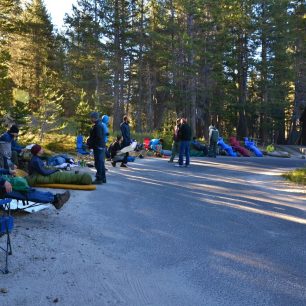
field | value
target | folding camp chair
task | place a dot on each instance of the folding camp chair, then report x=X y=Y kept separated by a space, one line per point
x=6 y=226
x=146 y=143
x=80 y=146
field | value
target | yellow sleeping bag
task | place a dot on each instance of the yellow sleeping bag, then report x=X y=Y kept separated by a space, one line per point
x=67 y=186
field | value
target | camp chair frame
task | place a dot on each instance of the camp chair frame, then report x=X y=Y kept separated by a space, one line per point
x=6 y=226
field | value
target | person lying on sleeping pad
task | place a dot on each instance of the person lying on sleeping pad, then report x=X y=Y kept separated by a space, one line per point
x=39 y=174
x=26 y=193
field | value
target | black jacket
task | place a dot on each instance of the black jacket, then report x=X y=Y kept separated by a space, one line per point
x=185 y=132
x=125 y=131
x=96 y=138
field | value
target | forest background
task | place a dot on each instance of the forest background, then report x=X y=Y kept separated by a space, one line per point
x=241 y=63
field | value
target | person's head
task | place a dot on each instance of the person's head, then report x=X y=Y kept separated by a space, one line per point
x=14 y=130
x=161 y=140
x=118 y=138
x=125 y=119
x=183 y=120
x=178 y=121
x=212 y=123
x=105 y=119
x=94 y=117
x=37 y=150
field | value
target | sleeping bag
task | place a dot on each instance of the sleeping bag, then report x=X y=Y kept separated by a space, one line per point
x=60 y=178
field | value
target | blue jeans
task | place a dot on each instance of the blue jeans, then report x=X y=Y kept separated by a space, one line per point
x=32 y=195
x=184 y=150
x=99 y=156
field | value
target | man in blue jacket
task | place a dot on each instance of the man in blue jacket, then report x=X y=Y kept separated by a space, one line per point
x=96 y=141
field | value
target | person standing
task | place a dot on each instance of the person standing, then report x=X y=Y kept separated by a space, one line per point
x=96 y=141
x=126 y=135
x=176 y=141
x=185 y=138
x=213 y=140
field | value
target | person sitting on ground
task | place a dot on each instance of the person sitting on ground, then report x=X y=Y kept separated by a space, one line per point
x=39 y=174
x=113 y=150
x=156 y=145
x=199 y=146
x=30 y=194
x=10 y=153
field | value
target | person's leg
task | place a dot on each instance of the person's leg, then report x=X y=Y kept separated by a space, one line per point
x=32 y=195
x=181 y=154
x=100 y=157
x=215 y=149
x=173 y=151
x=187 y=153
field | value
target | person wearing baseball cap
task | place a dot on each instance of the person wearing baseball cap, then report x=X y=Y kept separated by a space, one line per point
x=96 y=141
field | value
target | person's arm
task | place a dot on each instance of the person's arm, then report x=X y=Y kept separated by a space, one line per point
x=38 y=166
x=100 y=134
x=16 y=147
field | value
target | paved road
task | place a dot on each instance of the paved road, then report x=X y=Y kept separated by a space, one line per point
x=223 y=232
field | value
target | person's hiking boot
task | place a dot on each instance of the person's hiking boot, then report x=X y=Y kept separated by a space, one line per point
x=123 y=165
x=113 y=164
x=98 y=182
x=60 y=199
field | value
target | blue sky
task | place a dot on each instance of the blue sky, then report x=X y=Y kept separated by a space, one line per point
x=57 y=10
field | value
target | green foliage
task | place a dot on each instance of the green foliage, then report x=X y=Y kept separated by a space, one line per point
x=296 y=176
x=241 y=63
x=82 y=115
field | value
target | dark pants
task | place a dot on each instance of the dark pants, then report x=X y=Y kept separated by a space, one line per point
x=175 y=149
x=32 y=195
x=99 y=156
x=212 y=149
x=184 y=150
x=126 y=155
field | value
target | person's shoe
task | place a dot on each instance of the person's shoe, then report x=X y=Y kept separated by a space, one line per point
x=106 y=169
x=98 y=182
x=113 y=164
x=61 y=199
x=123 y=165
x=170 y=161
x=187 y=166
x=104 y=181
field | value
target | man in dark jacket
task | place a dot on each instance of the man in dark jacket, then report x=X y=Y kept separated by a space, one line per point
x=185 y=137
x=126 y=134
x=96 y=141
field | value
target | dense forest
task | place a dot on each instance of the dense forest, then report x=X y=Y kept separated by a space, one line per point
x=241 y=63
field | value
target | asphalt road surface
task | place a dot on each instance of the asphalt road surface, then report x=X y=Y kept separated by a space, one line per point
x=226 y=231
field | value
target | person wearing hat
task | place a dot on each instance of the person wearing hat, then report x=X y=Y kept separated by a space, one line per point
x=10 y=158
x=39 y=174
x=96 y=141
